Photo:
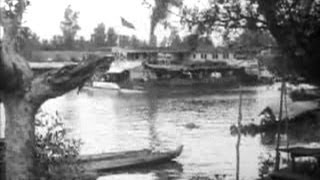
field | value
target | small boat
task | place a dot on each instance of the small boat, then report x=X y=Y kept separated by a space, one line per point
x=118 y=160
x=132 y=91
x=105 y=85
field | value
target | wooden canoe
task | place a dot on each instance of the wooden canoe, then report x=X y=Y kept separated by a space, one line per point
x=112 y=161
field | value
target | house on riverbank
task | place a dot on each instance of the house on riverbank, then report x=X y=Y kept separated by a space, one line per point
x=173 y=57
x=130 y=61
x=163 y=55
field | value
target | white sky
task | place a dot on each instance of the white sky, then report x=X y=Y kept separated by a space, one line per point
x=44 y=16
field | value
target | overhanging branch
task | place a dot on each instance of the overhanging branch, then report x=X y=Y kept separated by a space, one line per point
x=57 y=82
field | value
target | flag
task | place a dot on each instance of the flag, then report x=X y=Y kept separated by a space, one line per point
x=127 y=23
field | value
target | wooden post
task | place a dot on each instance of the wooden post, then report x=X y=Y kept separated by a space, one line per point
x=286 y=114
x=239 y=136
x=277 y=163
x=2 y=121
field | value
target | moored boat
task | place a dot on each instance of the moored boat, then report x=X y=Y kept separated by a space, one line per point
x=155 y=76
x=105 y=85
x=112 y=161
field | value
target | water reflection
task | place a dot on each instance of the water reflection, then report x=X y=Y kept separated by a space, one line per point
x=152 y=112
x=171 y=170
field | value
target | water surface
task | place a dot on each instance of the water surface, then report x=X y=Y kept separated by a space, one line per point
x=109 y=121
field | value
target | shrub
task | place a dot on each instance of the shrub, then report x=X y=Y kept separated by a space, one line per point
x=56 y=154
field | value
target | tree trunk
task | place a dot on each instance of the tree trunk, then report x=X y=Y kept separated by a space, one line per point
x=20 y=138
x=22 y=93
x=22 y=104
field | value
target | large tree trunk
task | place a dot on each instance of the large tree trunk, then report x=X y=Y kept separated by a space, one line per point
x=21 y=106
x=19 y=139
x=22 y=94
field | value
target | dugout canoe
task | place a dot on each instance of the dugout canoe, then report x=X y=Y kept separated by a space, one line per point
x=118 y=160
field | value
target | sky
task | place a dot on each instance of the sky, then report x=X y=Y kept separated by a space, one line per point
x=44 y=17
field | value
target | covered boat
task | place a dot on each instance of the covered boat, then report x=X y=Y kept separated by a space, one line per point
x=209 y=74
x=155 y=76
x=111 y=161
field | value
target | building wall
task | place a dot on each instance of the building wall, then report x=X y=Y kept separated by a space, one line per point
x=137 y=73
x=201 y=57
x=137 y=56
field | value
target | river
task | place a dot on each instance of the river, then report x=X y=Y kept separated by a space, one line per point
x=109 y=121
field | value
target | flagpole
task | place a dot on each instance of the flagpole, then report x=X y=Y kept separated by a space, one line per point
x=124 y=24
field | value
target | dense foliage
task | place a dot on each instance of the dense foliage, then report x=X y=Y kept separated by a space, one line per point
x=294 y=24
x=56 y=155
x=99 y=36
x=69 y=27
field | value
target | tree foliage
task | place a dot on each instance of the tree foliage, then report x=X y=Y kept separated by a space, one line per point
x=69 y=27
x=98 y=38
x=112 y=37
x=153 y=41
x=134 y=42
x=195 y=41
x=164 y=42
x=159 y=13
x=27 y=41
x=294 y=24
x=174 y=39
x=250 y=39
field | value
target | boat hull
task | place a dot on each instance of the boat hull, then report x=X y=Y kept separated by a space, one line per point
x=113 y=161
x=230 y=82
